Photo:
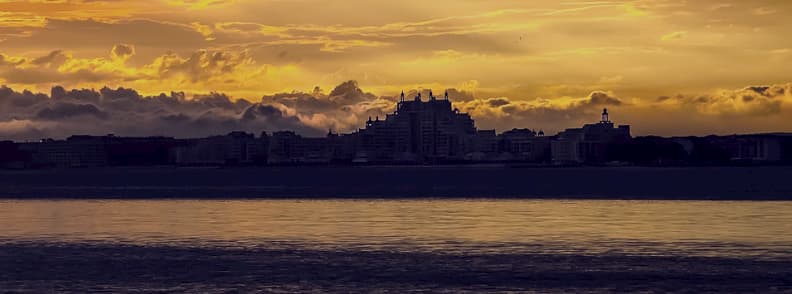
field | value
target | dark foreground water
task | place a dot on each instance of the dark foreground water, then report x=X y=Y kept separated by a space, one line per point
x=213 y=246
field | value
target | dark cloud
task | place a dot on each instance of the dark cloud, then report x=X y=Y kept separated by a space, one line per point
x=65 y=110
x=259 y=110
x=313 y=102
x=345 y=108
x=219 y=100
x=662 y=98
x=497 y=102
x=758 y=89
x=9 y=99
x=122 y=51
x=349 y=93
x=54 y=58
x=602 y=98
x=769 y=91
x=345 y=97
x=79 y=95
x=124 y=111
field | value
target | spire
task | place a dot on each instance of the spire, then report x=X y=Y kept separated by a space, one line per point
x=431 y=96
x=605 y=118
x=446 y=95
x=402 y=96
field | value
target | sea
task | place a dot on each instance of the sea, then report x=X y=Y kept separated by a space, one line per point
x=434 y=245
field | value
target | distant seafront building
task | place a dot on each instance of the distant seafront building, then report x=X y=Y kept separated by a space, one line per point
x=424 y=130
x=92 y=151
x=524 y=145
x=417 y=131
x=589 y=143
x=233 y=148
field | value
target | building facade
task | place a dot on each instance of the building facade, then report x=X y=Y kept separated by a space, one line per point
x=418 y=131
x=589 y=144
x=235 y=148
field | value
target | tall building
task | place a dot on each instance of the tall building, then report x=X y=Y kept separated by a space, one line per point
x=418 y=130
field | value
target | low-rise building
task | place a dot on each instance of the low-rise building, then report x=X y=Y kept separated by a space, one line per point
x=231 y=149
x=289 y=147
x=589 y=144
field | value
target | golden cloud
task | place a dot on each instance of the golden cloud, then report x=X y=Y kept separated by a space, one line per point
x=557 y=51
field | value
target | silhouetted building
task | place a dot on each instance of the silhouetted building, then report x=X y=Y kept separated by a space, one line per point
x=97 y=151
x=289 y=147
x=11 y=157
x=755 y=148
x=485 y=146
x=525 y=145
x=76 y=151
x=418 y=131
x=590 y=143
x=651 y=151
x=231 y=149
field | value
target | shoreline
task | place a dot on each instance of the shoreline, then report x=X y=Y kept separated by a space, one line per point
x=395 y=182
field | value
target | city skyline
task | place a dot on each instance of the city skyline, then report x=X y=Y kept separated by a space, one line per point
x=666 y=67
x=346 y=108
x=420 y=130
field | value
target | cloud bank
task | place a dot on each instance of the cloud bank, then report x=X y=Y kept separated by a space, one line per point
x=27 y=115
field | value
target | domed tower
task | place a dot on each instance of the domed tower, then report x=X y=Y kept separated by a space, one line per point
x=605 y=118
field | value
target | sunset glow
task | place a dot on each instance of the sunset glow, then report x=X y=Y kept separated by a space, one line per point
x=667 y=67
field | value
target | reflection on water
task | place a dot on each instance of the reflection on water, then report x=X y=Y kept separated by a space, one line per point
x=553 y=226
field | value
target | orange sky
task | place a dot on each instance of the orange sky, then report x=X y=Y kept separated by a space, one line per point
x=667 y=67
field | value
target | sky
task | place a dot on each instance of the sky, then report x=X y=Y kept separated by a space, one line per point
x=199 y=67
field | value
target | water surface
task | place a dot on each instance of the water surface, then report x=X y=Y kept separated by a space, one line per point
x=395 y=245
